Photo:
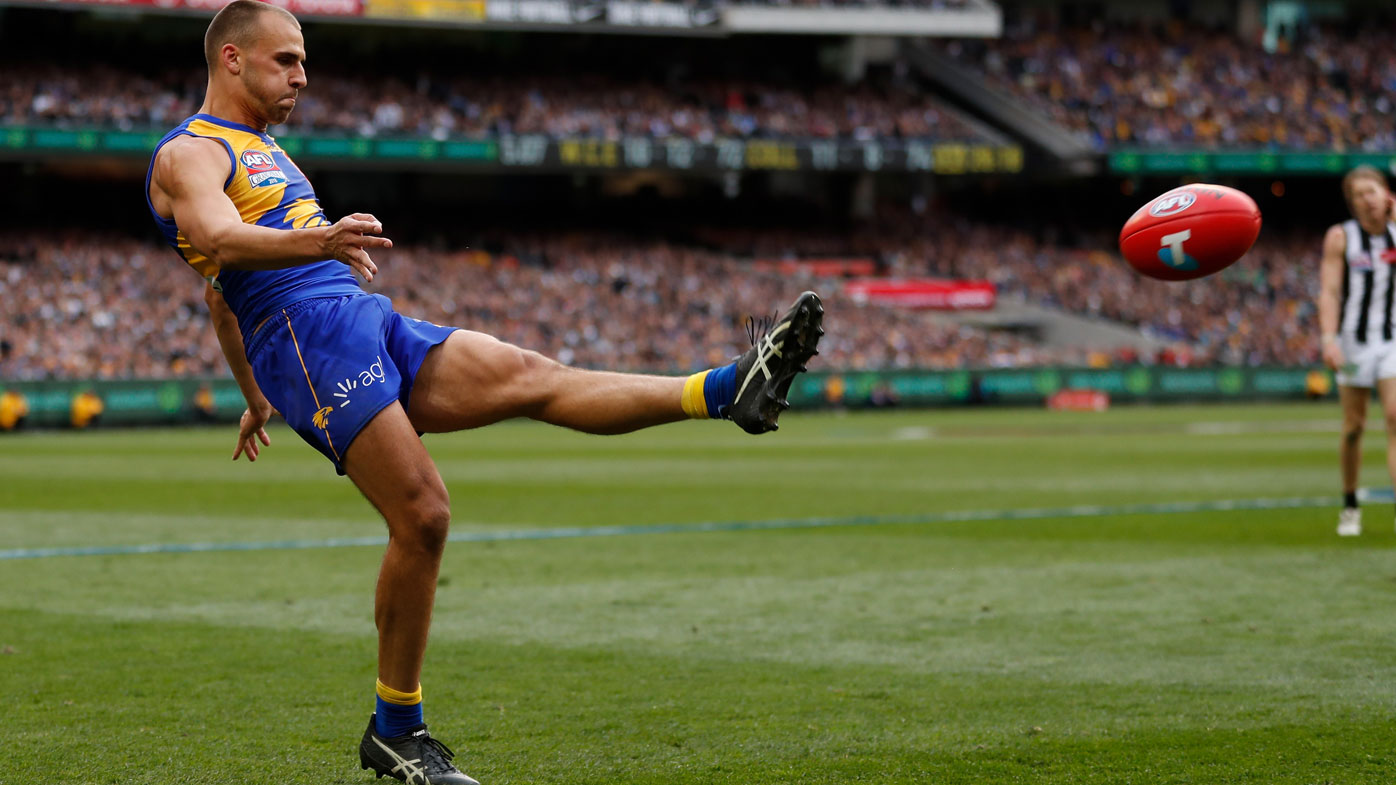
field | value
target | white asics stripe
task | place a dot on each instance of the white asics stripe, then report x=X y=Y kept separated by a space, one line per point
x=409 y=767
x=767 y=349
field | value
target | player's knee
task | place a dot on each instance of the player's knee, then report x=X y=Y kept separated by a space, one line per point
x=426 y=520
x=1352 y=429
x=533 y=366
x=531 y=376
x=428 y=526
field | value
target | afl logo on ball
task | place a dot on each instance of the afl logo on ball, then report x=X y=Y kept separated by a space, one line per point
x=262 y=169
x=1169 y=204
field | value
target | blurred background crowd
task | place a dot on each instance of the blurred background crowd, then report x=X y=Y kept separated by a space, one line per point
x=440 y=107
x=1178 y=84
x=110 y=302
x=111 y=307
x=1154 y=85
x=931 y=4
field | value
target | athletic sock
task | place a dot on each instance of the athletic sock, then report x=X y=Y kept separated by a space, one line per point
x=1350 y=500
x=398 y=712
x=708 y=394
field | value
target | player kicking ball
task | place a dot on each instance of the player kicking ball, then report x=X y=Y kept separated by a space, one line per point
x=358 y=381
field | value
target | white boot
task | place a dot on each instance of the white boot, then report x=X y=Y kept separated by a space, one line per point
x=1350 y=522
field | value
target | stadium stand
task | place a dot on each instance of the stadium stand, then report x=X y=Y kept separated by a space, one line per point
x=589 y=300
x=438 y=107
x=599 y=300
x=629 y=295
x=930 y=4
x=1187 y=85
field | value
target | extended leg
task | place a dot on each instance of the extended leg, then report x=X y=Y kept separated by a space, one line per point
x=472 y=380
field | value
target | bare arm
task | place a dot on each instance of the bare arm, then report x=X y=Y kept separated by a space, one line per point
x=259 y=409
x=1330 y=294
x=225 y=324
x=188 y=181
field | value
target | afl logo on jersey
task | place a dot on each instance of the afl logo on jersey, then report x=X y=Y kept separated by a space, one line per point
x=1170 y=204
x=262 y=169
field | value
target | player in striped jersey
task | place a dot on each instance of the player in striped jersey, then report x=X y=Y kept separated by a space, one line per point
x=1356 y=294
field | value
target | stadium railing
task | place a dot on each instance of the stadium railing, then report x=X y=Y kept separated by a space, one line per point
x=217 y=399
x=543 y=153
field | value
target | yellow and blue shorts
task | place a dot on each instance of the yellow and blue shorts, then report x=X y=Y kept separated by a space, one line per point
x=330 y=364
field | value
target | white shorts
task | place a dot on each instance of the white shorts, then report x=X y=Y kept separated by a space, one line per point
x=1364 y=364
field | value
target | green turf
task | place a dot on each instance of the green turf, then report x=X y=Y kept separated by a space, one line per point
x=1211 y=647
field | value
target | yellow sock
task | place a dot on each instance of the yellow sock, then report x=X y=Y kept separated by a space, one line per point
x=695 y=405
x=399 y=698
x=397 y=712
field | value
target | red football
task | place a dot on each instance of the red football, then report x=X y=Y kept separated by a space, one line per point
x=1190 y=232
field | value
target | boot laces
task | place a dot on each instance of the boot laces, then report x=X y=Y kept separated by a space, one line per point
x=757 y=329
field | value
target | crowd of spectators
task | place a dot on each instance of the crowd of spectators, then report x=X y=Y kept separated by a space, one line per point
x=932 y=5
x=85 y=307
x=478 y=106
x=1187 y=86
x=923 y=5
x=1259 y=311
x=1158 y=85
x=110 y=307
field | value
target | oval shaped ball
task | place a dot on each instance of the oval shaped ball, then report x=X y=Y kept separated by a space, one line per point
x=1190 y=232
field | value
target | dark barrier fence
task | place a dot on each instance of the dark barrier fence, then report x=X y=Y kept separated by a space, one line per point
x=184 y=401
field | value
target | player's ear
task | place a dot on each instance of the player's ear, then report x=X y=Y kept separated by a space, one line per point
x=232 y=59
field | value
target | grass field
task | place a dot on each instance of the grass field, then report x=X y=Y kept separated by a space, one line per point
x=835 y=625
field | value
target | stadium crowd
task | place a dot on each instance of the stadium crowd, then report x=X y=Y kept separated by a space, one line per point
x=87 y=307
x=1259 y=311
x=593 y=106
x=1189 y=86
x=1165 y=85
x=111 y=307
x=114 y=308
x=933 y=5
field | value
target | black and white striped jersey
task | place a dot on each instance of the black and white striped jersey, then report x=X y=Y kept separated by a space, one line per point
x=1368 y=284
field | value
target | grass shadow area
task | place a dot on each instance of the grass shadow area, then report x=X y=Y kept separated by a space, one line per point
x=96 y=701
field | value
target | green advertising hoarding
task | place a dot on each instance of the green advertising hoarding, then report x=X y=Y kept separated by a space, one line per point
x=1032 y=386
x=187 y=401
x=93 y=140
x=539 y=151
x=132 y=402
x=1245 y=162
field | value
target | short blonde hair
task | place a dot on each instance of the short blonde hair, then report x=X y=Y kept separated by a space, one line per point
x=1363 y=172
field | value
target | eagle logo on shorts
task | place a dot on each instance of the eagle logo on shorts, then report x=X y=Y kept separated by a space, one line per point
x=322 y=418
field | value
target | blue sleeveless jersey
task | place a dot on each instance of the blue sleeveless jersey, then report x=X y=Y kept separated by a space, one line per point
x=268 y=190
